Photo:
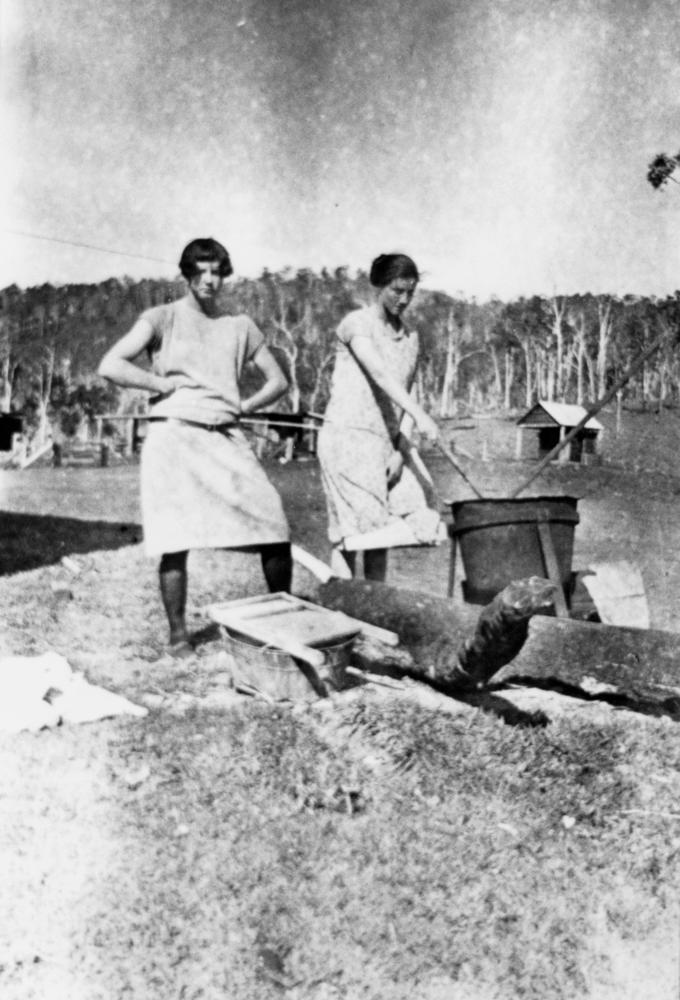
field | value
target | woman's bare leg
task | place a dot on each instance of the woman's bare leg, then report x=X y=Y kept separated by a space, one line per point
x=277 y=566
x=173 y=583
x=375 y=564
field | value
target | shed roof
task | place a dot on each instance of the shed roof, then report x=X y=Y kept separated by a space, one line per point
x=548 y=414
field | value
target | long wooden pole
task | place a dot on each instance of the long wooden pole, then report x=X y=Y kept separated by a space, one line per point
x=595 y=408
x=283 y=423
x=452 y=459
x=278 y=423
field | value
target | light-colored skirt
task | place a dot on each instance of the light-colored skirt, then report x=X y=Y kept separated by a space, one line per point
x=205 y=489
x=354 y=476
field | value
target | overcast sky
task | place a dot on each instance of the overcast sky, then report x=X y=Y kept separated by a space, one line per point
x=502 y=143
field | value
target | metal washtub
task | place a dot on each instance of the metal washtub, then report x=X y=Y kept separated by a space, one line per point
x=499 y=541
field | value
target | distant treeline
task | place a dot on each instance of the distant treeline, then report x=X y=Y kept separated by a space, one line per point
x=475 y=355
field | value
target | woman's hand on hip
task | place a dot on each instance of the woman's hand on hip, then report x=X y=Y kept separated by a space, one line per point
x=165 y=385
x=169 y=383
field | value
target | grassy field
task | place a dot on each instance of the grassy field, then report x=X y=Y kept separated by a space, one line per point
x=359 y=848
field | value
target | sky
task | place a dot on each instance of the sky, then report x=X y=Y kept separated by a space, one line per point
x=503 y=144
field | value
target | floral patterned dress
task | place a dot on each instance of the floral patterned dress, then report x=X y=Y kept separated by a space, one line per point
x=361 y=424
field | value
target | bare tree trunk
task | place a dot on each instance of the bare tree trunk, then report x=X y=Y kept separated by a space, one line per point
x=46 y=378
x=568 y=370
x=319 y=375
x=284 y=340
x=539 y=375
x=591 y=368
x=579 y=323
x=8 y=367
x=507 y=380
x=558 y=311
x=604 y=315
x=663 y=384
x=509 y=373
x=580 y=362
x=527 y=365
x=497 y=378
x=422 y=396
x=551 y=365
x=5 y=386
x=450 y=383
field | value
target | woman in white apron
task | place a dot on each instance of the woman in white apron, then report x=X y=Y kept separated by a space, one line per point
x=202 y=486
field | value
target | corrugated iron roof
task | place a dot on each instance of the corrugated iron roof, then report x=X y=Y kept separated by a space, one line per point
x=562 y=414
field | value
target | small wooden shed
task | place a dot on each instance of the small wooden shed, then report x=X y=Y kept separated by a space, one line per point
x=550 y=423
x=10 y=424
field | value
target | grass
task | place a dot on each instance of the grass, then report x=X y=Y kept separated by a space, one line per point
x=370 y=850
x=450 y=864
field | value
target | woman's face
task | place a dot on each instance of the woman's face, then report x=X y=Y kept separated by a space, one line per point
x=395 y=297
x=206 y=281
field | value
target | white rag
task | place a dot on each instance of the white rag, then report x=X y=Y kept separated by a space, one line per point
x=41 y=691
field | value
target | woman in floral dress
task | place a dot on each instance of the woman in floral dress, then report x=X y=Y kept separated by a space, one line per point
x=371 y=480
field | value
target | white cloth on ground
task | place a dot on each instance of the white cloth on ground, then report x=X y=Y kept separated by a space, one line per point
x=41 y=691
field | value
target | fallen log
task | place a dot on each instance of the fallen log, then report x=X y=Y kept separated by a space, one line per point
x=638 y=663
x=633 y=660
x=418 y=618
x=461 y=661
x=500 y=633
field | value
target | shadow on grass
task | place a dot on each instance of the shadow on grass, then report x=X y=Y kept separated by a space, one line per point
x=491 y=701
x=28 y=541
x=209 y=633
x=655 y=703
x=487 y=699
x=644 y=703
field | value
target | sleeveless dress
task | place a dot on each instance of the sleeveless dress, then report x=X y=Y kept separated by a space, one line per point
x=203 y=488
x=356 y=441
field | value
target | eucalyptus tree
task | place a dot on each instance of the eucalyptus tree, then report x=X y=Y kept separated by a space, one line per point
x=12 y=308
x=525 y=322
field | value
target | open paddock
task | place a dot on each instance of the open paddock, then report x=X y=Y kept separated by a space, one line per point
x=225 y=847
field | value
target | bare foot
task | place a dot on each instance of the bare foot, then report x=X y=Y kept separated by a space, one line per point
x=180 y=650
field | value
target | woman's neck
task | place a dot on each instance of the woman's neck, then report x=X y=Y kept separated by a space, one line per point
x=389 y=319
x=209 y=309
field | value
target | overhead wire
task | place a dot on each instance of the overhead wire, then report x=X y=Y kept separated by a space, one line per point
x=87 y=246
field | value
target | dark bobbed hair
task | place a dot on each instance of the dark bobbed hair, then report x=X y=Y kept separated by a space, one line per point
x=389 y=266
x=205 y=248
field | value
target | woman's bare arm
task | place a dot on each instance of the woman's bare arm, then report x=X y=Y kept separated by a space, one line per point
x=275 y=384
x=118 y=365
x=406 y=427
x=372 y=363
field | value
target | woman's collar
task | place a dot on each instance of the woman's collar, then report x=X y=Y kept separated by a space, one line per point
x=394 y=333
x=193 y=304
